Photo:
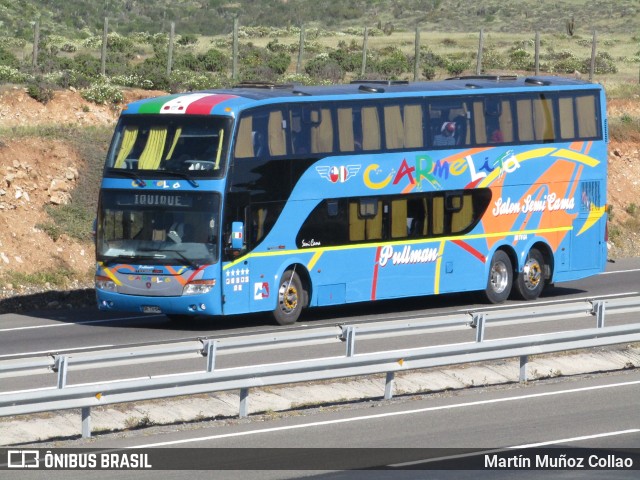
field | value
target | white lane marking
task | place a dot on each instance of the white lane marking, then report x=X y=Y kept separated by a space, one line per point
x=388 y=414
x=68 y=324
x=515 y=447
x=620 y=271
x=58 y=351
x=579 y=439
x=551 y=302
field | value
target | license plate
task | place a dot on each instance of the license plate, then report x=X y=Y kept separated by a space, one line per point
x=151 y=309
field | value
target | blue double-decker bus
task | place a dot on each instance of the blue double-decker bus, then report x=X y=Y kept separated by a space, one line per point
x=281 y=197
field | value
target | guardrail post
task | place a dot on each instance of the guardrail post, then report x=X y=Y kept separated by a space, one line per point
x=209 y=349
x=477 y=322
x=244 y=402
x=350 y=336
x=524 y=360
x=389 y=385
x=60 y=366
x=86 y=422
x=599 y=310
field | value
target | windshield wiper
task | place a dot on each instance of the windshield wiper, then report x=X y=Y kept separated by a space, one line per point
x=130 y=174
x=189 y=262
x=116 y=258
x=186 y=176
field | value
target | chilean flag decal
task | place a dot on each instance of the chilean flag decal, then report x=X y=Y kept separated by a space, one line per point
x=338 y=174
x=194 y=103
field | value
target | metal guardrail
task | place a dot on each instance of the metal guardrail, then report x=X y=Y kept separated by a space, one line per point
x=87 y=396
x=262 y=342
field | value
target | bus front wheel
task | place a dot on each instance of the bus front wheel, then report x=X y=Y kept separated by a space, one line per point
x=530 y=282
x=290 y=298
x=500 y=278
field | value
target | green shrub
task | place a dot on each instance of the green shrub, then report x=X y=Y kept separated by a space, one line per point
x=392 y=62
x=41 y=91
x=279 y=62
x=456 y=67
x=322 y=66
x=8 y=59
x=182 y=80
x=429 y=72
x=102 y=93
x=520 y=59
x=12 y=75
x=214 y=61
x=187 y=39
x=604 y=63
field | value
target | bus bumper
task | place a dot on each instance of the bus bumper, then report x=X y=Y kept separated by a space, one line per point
x=183 y=305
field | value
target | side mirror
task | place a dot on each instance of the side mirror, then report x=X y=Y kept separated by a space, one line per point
x=237 y=235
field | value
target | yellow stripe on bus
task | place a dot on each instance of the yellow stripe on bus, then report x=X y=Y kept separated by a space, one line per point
x=318 y=251
x=314 y=259
x=111 y=275
x=594 y=215
x=578 y=157
x=436 y=286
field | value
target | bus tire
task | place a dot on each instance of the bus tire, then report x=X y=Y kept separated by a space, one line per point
x=500 y=278
x=530 y=282
x=290 y=299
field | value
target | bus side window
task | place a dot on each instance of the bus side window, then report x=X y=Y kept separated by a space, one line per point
x=365 y=219
x=461 y=207
x=244 y=140
x=277 y=134
x=346 y=141
x=399 y=219
x=417 y=217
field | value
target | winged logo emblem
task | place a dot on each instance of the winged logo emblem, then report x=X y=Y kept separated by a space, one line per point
x=338 y=174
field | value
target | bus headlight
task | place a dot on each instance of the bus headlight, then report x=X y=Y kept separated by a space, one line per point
x=197 y=287
x=105 y=283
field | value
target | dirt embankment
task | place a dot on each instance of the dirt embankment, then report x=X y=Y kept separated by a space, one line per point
x=36 y=171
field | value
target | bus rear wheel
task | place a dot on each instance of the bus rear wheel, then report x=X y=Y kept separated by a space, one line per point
x=290 y=299
x=500 y=278
x=530 y=282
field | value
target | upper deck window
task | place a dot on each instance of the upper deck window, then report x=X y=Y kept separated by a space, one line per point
x=177 y=143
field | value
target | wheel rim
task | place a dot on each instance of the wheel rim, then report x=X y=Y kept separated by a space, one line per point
x=532 y=274
x=499 y=277
x=288 y=297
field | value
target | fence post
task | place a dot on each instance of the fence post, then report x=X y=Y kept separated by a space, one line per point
x=592 y=67
x=170 y=52
x=86 y=422
x=244 y=402
x=364 y=52
x=537 y=54
x=416 y=64
x=480 y=48
x=300 y=50
x=234 y=72
x=103 y=53
x=36 y=40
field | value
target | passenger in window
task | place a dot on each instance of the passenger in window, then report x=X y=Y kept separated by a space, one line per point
x=495 y=134
x=446 y=135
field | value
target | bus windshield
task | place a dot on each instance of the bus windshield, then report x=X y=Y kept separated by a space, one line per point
x=158 y=228
x=170 y=143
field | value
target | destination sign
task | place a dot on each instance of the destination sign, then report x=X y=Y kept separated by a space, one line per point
x=156 y=200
